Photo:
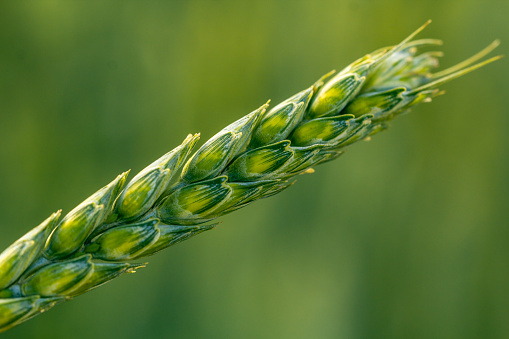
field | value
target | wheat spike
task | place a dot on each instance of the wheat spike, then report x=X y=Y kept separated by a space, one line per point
x=176 y=196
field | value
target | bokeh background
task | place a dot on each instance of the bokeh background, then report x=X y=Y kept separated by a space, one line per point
x=405 y=236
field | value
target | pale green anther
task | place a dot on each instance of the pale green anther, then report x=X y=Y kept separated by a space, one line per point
x=148 y=185
x=213 y=156
x=195 y=203
x=123 y=242
x=104 y=272
x=77 y=225
x=13 y=311
x=320 y=131
x=59 y=279
x=375 y=103
x=278 y=123
x=260 y=164
x=17 y=257
x=335 y=95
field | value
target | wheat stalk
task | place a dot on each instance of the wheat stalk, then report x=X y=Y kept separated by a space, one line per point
x=252 y=158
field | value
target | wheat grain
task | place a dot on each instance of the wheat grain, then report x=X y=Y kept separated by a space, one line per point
x=250 y=159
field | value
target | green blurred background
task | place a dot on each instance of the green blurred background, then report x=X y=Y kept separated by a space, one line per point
x=403 y=237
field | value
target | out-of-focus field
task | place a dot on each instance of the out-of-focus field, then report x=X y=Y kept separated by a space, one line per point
x=405 y=236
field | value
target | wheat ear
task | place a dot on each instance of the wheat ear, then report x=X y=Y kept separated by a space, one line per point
x=253 y=158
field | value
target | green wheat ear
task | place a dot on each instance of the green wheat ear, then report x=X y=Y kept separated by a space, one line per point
x=253 y=158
